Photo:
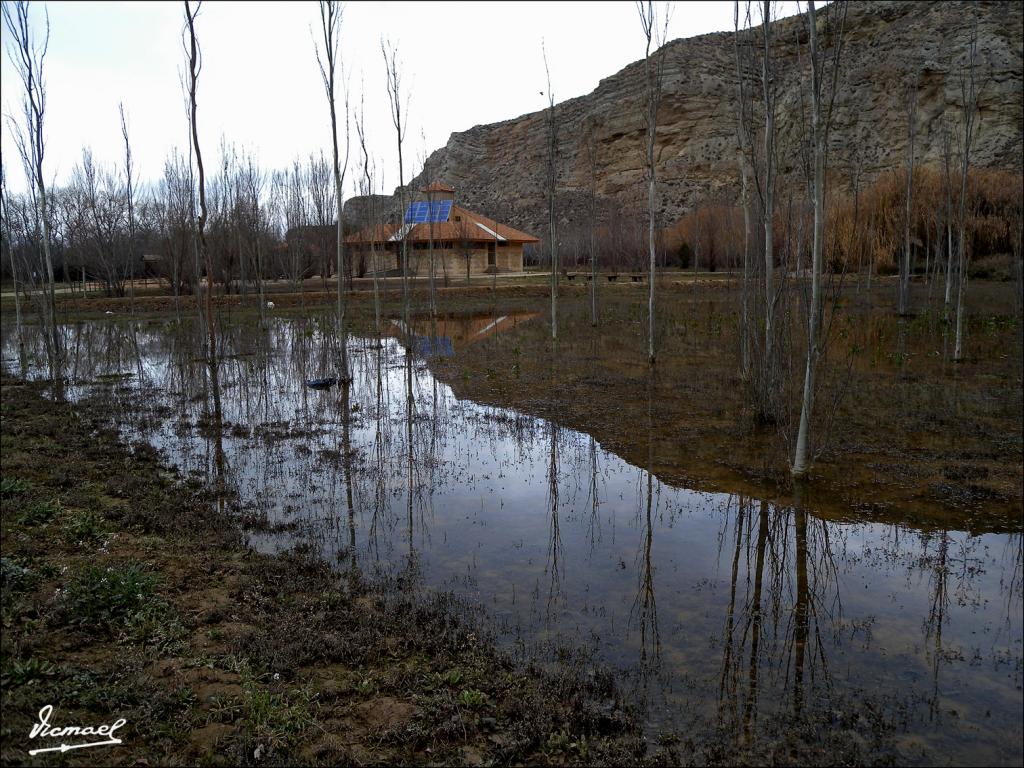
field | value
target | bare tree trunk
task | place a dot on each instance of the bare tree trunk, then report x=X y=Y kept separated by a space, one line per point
x=131 y=211
x=903 y=302
x=368 y=190
x=927 y=257
x=744 y=148
x=653 y=72
x=969 y=94
x=1018 y=253
x=552 y=160
x=948 y=184
x=330 y=23
x=819 y=133
x=592 y=158
x=28 y=59
x=768 y=361
x=395 y=98
x=195 y=65
x=5 y=214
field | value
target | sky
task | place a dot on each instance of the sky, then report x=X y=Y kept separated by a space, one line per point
x=462 y=64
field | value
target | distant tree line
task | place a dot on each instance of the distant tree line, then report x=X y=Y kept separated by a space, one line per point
x=262 y=225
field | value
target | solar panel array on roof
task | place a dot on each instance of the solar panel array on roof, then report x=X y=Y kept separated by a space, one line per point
x=417 y=213
x=421 y=213
x=441 y=210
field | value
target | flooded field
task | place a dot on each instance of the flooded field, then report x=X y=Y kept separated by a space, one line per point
x=718 y=612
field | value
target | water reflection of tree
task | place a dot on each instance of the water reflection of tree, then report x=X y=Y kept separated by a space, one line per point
x=783 y=595
x=644 y=606
x=593 y=500
x=554 y=561
x=381 y=451
x=952 y=566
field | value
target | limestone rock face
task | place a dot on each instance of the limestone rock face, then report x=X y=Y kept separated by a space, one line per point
x=501 y=168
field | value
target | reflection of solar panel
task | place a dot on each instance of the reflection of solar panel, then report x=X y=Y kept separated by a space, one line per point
x=420 y=213
x=440 y=346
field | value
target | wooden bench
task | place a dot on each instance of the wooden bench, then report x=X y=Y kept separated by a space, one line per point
x=569 y=275
x=612 y=278
x=636 y=278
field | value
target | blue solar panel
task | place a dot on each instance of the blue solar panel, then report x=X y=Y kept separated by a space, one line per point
x=440 y=210
x=417 y=213
x=420 y=213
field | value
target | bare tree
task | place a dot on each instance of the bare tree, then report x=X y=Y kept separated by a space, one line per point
x=324 y=208
x=903 y=297
x=430 y=238
x=194 y=66
x=592 y=216
x=368 y=190
x=744 y=142
x=94 y=213
x=8 y=242
x=969 y=104
x=653 y=72
x=552 y=141
x=28 y=56
x=947 y=153
x=821 y=119
x=250 y=182
x=398 y=119
x=330 y=23
x=765 y=184
x=129 y=193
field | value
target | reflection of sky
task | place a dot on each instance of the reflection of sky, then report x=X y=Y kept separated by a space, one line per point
x=887 y=607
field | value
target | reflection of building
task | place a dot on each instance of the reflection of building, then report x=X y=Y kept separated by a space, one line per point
x=462 y=240
x=454 y=333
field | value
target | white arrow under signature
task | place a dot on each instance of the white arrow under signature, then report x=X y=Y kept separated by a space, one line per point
x=69 y=747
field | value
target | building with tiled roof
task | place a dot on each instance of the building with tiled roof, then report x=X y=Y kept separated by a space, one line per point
x=463 y=241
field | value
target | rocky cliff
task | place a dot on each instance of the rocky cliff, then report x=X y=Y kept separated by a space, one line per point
x=501 y=168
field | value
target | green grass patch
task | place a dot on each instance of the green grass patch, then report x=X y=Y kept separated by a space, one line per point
x=26 y=672
x=104 y=600
x=12 y=486
x=86 y=526
x=276 y=718
x=39 y=514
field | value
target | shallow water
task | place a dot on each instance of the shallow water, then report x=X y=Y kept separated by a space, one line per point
x=712 y=608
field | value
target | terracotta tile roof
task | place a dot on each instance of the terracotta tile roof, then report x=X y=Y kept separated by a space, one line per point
x=471 y=226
